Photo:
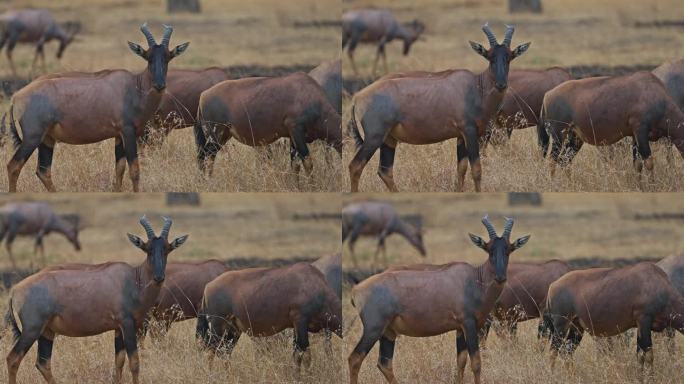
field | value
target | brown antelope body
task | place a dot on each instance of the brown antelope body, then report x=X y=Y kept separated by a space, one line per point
x=329 y=76
x=84 y=108
x=423 y=302
x=377 y=26
x=378 y=219
x=266 y=301
x=430 y=109
x=609 y=301
x=257 y=111
x=34 y=26
x=35 y=219
x=86 y=300
x=603 y=110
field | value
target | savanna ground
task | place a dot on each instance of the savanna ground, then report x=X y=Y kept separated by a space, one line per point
x=227 y=33
x=609 y=33
x=260 y=227
x=596 y=229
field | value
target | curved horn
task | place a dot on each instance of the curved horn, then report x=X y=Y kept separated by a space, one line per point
x=507 y=228
x=490 y=228
x=167 y=35
x=508 y=36
x=165 y=230
x=490 y=34
x=148 y=227
x=148 y=35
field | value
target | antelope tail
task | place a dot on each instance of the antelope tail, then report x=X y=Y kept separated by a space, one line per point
x=542 y=133
x=10 y=321
x=13 y=129
x=354 y=129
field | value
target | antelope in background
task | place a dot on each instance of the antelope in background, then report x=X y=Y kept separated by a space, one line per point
x=266 y=301
x=608 y=301
x=430 y=109
x=84 y=108
x=117 y=296
x=34 y=26
x=377 y=26
x=428 y=300
x=36 y=219
x=377 y=219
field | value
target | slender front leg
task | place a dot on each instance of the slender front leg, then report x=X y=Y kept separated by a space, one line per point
x=472 y=343
x=385 y=357
x=45 y=152
x=371 y=335
x=461 y=164
x=472 y=142
x=645 y=348
x=44 y=357
x=299 y=142
x=119 y=356
x=131 y=149
x=461 y=356
x=119 y=164
x=131 y=345
x=386 y=165
x=301 y=354
x=644 y=151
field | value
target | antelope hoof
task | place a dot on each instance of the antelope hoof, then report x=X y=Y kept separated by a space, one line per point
x=308 y=165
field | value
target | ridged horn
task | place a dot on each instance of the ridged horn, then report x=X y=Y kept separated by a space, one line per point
x=148 y=227
x=167 y=36
x=507 y=228
x=508 y=36
x=490 y=35
x=148 y=35
x=165 y=230
x=490 y=228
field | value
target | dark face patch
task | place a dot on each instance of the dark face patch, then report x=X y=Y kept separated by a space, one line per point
x=158 y=58
x=500 y=57
x=499 y=252
x=156 y=258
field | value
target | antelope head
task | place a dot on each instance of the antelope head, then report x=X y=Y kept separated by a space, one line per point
x=417 y=28
x=158 y=55
x=65 y=41
x=416 y=239
x=71 y=231
x=499 y=248
x=498 y=55
x=157 y=248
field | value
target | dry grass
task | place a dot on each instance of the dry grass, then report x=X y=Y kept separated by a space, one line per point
x=567 y=33
x=227 y=33
x=224 y=227
x=566 y=226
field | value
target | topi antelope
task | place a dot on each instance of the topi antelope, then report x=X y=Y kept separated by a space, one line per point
x=84 y=108
x=379 y=26
x=266 y=301
x=428 y=301
x=430 y=109
x=117 y=297
x=378 y=219
x=36 y=219
x=36 y=26
x=609 y=301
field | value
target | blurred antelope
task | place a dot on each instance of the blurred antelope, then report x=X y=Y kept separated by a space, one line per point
x=265 y=301
x=377 y=219
x=423 y=301
x=430 y=109
x=78 y=300
x=378 y=26
x=85 y=108
x=609 y=301
x=35 y=219
x=35 y=26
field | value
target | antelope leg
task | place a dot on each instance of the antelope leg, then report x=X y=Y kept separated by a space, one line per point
x=472 y=142
x=385 y=358
x=386 y=165
x=461 y=356
x=131 y=346
x=119 y=356
x=130 y=144
x=46 y=150
x=119 y=164
x=44 y=357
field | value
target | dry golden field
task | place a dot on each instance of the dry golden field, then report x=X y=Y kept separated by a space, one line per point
x=567 y=33
x=226 y=33
x=576 y=227
x=259 y=227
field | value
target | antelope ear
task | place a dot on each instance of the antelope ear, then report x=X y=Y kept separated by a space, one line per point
x=520 y=49
x=478 y=241
x=477 y=47
x=178 y=241
x=179 y=49
x=520 y=242
x=137 y=49
x=138 y=242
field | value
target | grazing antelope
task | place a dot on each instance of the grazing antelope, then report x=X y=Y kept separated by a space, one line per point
x=329 y=76
x=585 y=111
x=178 y=107
x=379 y=219
x=117 y=297
x=674 y=268
x=430 y=109
x=425 y=302
x=35 y=26
x=181 y=295
x=35 y=219
x=608 y=301
x=371 y=25
x=671 y=74
x=265 y=301
x=85 y=108
x=257 y=111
